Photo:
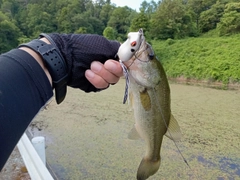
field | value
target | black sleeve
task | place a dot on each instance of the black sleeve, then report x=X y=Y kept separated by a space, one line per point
x=24 y=89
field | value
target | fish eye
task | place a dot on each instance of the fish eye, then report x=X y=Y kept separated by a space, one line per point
x=151 y=56
x=132 y=50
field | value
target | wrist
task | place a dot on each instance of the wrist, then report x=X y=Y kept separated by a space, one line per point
x=52 y=62
x=39 y=59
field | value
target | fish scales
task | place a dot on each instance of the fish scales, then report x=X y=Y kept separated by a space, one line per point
x=149 y=96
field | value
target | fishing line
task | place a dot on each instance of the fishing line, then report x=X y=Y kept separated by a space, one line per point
x=140 y=59
x=175 y=143
x=126 y=74
x=165 y=123
x=159 y=106
x=139 y=53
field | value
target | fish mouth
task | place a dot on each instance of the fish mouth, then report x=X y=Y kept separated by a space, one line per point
x=140 y=56
x=129 y=63
x=144 y=53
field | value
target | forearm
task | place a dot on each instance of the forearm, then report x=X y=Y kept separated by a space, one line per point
x=26 y=83
x=25 y=87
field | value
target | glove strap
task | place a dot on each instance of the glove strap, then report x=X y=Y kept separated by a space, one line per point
x=55 y=64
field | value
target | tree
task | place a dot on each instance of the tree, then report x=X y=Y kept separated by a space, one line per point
x=110 y=33
x=38 y=21
x=9 y=34
x=97 y=7
x=106 y=13
x=120 y=20
x=140 y=21
x=148 y=8
x=6 y=7
x=197 y=7
x=63 y=20
x=209 y=18
x=81 y=22
x=174 y=23
x=97 y=25
x=82 y=30
x=230 y=22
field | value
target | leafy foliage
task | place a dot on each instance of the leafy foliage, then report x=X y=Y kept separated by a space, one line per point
x=164 y=19
x=214 y=55
x=230 y=22
x=208 y=19
x=9 y=33
x=140 y=21
x=198 y=7
x=120 y=20
x=110 y=33
x=174 y=23
x=215 y=59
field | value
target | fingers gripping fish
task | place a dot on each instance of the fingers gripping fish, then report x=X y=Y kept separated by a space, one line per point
x=149 y=96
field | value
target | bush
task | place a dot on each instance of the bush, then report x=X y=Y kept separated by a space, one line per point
x=170 y=41
x=205 y=58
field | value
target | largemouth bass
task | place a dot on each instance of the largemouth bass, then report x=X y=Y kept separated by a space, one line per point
x=149 y=97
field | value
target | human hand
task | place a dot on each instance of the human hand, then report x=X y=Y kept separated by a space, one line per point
x=101 y=75
x=90 y=60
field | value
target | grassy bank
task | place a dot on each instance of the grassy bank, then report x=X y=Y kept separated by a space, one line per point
x=202 y=58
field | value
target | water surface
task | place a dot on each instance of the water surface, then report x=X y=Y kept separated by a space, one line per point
x=87 y=135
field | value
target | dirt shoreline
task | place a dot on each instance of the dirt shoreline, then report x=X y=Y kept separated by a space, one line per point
x=205 y=83
x=15 y=168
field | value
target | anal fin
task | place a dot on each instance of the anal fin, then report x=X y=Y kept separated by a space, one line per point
x=133 y=134
x=173 y=132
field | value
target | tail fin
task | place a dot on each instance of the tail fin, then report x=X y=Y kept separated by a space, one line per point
x=147 y=168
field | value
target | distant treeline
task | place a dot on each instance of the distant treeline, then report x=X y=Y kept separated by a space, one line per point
x=21 y=20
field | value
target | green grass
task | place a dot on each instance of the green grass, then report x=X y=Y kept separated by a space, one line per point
x=204 y=58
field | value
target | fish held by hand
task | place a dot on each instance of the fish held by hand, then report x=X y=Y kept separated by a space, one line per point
x=149 y=97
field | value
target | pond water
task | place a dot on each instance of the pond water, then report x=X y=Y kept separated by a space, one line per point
x=87 y=135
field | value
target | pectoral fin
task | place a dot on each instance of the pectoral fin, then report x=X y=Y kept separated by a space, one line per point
x=173 y=132
x=133 y=134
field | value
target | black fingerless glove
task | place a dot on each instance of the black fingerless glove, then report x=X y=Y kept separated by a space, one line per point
x=79 y=51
